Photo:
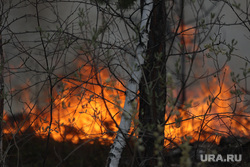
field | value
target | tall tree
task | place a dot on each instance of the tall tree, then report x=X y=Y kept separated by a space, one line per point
x=132 y=87
x=152 y=84
x=153 y=88
x=1 y=93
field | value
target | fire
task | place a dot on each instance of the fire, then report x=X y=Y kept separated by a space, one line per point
x=212 y=109
x=187 y=34
x=209 y=114
x=88 y=106
x=79 y=110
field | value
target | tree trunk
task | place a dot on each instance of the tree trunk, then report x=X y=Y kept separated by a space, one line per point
x=1 y=96
x=153 y=90
x=132 y=89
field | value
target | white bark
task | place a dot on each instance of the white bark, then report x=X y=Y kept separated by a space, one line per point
x=132 y=88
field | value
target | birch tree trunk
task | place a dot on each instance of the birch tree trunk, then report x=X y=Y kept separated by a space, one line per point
x=132 y=88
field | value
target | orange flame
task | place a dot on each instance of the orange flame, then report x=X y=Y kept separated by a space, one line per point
x=210 y=114
x=85 y=107
x=89 y=105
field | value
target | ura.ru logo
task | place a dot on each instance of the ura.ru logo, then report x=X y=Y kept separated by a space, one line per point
x=220 y=158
